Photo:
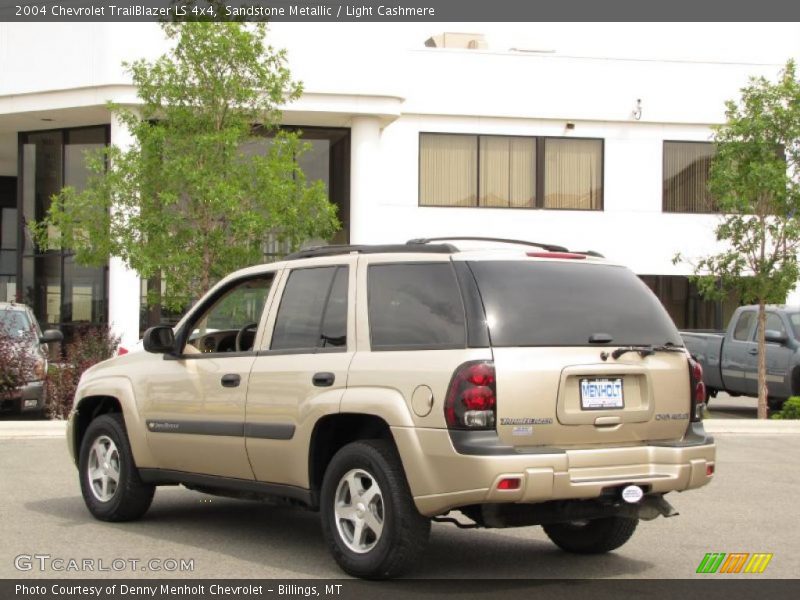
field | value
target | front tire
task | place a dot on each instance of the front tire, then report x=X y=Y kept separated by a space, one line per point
x=369 y=519
x=110 y=483
x=596 y=536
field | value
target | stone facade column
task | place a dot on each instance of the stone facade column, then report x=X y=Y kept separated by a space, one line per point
x=124 y=287
x=365 y=137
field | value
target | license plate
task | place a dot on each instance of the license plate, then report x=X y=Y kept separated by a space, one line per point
x=601 y=393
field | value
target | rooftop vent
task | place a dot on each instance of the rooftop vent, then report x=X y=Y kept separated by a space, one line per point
x=465 y=41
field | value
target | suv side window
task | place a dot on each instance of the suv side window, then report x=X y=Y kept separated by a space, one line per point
x=415 y=306
x=313 y=310
x=230 y=319
x=775 y=323
x=743 y=326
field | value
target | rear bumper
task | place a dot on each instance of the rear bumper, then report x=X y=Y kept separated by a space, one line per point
x=441 y=479
x=31 y=397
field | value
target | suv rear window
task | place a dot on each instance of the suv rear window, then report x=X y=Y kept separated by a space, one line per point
x=415 y=307
x=562 y=304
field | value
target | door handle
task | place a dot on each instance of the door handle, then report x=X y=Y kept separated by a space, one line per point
x=323 y=379
x=752 y=351
x=230 y=380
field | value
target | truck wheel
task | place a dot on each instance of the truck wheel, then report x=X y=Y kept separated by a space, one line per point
x=368 y=516
x=110 y=483
x=594 y=536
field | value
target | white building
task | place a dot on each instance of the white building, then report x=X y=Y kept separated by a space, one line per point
x=592 y=136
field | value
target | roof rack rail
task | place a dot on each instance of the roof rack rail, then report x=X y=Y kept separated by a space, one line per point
x=337 y=249
x=548 y=247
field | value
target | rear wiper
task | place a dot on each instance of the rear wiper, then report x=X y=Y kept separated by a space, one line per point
x=646 y=350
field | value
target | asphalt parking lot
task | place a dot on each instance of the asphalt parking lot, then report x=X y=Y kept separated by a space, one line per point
x=750 y=507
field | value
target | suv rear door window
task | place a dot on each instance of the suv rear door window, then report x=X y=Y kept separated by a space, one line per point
x=743 y=326
x=334 y=323
x=537 y=303
x=313 y=310
x=415 y=306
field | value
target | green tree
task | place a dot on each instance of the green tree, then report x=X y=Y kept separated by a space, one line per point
x=755 y=182
x=200 y=188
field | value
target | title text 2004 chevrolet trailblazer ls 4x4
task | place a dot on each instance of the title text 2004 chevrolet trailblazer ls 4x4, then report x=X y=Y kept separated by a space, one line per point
x=388 y=385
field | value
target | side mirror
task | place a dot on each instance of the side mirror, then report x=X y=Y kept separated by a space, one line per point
x=159 y=340
x=775 y=337
x=50 y=336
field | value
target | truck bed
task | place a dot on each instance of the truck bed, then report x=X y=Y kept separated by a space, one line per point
x=706 y=347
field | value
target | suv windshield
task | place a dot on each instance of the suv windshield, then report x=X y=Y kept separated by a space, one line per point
x=562 y=304
x=14 y=323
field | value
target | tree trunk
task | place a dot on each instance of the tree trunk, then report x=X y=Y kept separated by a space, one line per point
x=762 y=361
x=154 y=300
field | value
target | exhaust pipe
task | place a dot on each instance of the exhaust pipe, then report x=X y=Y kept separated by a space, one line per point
x=561 y=511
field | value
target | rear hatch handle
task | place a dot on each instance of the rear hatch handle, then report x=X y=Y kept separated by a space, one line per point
x=646 y=350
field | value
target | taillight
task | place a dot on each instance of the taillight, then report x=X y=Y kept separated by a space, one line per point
x=122 y=350
x=471 y=401
x=697 y=389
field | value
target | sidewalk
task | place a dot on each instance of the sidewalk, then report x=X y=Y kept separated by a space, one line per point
x=10 y=430
x=751 y=426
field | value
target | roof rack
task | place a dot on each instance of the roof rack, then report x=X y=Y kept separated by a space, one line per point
x=421 y=245
x=369 y=249
x=548 y=247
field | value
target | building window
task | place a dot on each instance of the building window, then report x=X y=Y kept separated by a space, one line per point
x=448 y=170
x=573 y=174
x=510 y=171
x=686 y=167
x=687 y=307
x=61 y=292
x=9 y=225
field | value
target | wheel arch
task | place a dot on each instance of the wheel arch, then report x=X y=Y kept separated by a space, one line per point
x=107 y=395
x=334 y=431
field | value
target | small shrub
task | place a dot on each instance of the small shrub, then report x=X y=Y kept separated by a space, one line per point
x=18 y=361
x=790 y=409
x=90 y=346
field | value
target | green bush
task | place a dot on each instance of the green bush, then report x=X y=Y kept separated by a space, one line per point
x=18 y=362
x=790 y=409
x=90 y=346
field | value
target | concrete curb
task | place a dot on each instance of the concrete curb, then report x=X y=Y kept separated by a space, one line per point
x=10 y=430
x=752 y=426
x=13 y=430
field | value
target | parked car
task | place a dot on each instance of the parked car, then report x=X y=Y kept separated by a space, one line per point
x=730 y=358
x=386 y=386
x=20 y=331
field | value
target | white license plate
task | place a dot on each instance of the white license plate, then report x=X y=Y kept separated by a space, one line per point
x=601 y=393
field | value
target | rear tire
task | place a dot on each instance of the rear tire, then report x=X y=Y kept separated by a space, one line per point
x=775 y=404
x=369 y=519
x=591 y=537
x=110 y=483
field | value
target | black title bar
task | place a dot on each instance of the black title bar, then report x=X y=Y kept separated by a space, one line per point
x=707 y=588
x=399 y=10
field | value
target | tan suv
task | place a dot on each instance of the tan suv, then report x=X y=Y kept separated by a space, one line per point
x=386 y=386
